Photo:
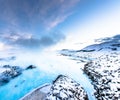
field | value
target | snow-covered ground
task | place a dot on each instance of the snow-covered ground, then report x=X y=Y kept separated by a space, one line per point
x=105 y=73
x=102 y=65
x=65 y=88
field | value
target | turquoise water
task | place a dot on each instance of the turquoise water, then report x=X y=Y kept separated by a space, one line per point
x=49 y=66
x=24 y=83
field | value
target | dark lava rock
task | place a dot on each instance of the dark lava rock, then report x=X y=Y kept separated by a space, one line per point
x=30 y=67
x=65 y=88
x=9 y=73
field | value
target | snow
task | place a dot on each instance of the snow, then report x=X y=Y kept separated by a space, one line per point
x=102 y=65
x=65 y=88
x=4 y=69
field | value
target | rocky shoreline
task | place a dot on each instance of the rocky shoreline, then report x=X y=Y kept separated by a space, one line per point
x=65 y=88
x=105 y=76
x=102 y=65
x=37 y=94
x=62 y=88
x=8 y=72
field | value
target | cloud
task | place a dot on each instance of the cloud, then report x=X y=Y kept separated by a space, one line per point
x=28 y=23
x=17 y=40
x=26 y=14
x=4 y=47
x=61 y=10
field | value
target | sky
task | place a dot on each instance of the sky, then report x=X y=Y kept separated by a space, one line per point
x=38 y=24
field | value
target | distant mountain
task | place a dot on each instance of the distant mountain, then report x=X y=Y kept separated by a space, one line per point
x=111 y=44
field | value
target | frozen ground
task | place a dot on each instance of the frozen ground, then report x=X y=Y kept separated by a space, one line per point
x=65 y=88
x=102 y=65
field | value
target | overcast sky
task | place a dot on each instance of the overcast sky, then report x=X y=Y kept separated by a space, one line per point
x=36 y=24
